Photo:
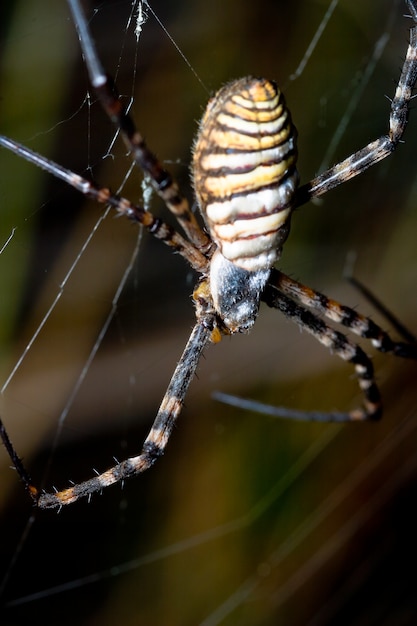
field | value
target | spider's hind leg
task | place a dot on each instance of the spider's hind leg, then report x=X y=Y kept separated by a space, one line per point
x=106 y=90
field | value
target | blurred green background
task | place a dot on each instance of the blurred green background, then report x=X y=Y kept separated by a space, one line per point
x=247 y=519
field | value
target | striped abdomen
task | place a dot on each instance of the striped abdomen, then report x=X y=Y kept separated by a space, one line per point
x=244 y=171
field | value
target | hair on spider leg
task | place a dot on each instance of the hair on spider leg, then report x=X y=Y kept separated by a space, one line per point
x=341 y=314
x=378 y=305
x=244 y=172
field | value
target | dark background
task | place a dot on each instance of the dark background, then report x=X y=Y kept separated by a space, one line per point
x=247 y=519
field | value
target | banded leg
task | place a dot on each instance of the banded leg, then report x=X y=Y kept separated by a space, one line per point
x=153 y=446
x=386 y=144
x=345 y=349
x=107 y=94
x=134 y=212
x=379 y=306
x=336 y=312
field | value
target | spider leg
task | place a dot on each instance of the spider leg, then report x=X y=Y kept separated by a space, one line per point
x=18 y=463
x=386 y=144
x=283 y=290
x=107 y=94
x=344 y=315
x=134 y=212
x=379 y=306
x=154 y=444
x=338 y=343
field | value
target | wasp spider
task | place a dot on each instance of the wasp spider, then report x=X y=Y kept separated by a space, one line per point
x=246 y=183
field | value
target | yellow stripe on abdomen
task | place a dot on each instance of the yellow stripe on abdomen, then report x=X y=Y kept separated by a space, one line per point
x=244 y=171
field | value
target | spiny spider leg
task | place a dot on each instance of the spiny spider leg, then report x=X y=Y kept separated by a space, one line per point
x=342 y=347
x=344 y=315
x=107 y=94
x=154 y=444
x=134 y=212
x=379 y=306
x=281 y=293
x=386 y=144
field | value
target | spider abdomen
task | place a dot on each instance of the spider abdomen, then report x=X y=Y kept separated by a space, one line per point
x=244 y=171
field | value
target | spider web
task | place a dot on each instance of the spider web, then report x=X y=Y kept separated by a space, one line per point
x=290 y=523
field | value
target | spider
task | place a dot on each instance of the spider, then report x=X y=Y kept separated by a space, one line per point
x=246 y=184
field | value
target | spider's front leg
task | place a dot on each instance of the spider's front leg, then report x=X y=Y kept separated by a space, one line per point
x=340 y=345
x=284 y=293
x=347 y=317
x=206 y=330
x=158 y=437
